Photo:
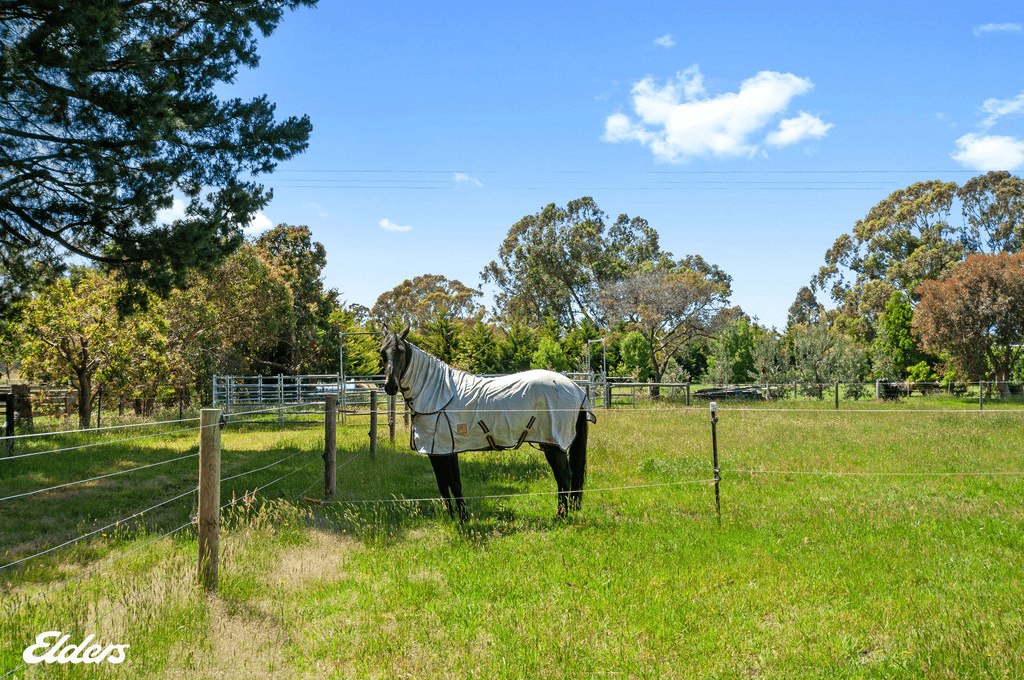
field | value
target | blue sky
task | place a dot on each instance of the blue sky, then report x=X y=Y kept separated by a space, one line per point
x=749 y=133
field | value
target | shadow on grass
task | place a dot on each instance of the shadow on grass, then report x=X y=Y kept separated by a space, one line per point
x=371 y=506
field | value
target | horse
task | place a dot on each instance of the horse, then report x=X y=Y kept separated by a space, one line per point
x=454 y=412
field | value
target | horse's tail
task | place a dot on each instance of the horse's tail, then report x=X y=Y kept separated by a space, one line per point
x=578 y=461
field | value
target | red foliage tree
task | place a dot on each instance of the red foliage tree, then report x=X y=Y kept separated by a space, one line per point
x=976 y=315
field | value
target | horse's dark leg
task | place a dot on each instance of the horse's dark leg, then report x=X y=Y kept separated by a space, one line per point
x=578 y=461
x=455 y=483
x=449 y=482
x=560 y=466
x=442 y=471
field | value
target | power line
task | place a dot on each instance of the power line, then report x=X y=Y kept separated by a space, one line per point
x=631 y=172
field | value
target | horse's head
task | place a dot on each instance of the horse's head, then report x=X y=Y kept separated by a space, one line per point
x=394 y=355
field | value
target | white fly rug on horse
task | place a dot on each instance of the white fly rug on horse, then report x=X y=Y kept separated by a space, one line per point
x=454 y=411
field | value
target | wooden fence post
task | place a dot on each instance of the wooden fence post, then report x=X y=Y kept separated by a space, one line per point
x=981 y=395
x=373 y=424
x=330 y=446
x=209 y=497
x=21 y=403
x=8 y=400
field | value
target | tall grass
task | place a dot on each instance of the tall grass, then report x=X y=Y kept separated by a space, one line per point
x=836 y=557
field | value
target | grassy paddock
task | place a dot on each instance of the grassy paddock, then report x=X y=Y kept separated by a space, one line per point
x=835 y=558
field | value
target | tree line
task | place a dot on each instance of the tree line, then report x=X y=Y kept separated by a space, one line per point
x=566 y=277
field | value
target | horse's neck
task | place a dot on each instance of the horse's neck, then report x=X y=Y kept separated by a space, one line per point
x=428 y=381
x=420 y=370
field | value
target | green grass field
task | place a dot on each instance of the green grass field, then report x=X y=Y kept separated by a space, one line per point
x=850 y=546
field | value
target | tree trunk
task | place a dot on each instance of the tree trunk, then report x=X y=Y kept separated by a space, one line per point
x=656 y=388
x=1002 y=381
x=84 y=400
x=656 y=369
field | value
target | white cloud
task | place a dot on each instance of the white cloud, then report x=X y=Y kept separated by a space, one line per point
x=317 y=208
x=793 y=130
x=175 y=212
x=678 y=120
x=989 y=152
x=997 y=28
x=463 y=178
x=388 y=225
x=693 y=83
x=997 y=108
x=665 y=41
x=259 y=224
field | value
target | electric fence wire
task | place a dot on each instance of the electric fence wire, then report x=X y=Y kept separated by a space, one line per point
x=830 y=473
x=518 y=495
x=93 y=479
x=302 y=493
x=235 y=501
x=97 y=568
x=249 y=472
x=165 y=535
x=103 y=443
x=130 y=517
x=79 y=630
x=274 y=409
x=623 y=407
x=96 y=531
x=122 y=605
x=103 y=429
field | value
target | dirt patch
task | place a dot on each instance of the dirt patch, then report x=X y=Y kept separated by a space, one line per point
x=321 y=558
x=254 y=640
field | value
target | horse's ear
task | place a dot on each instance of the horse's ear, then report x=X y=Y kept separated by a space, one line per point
x=404 y=333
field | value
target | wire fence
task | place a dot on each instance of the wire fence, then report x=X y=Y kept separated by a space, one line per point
x=125 y=520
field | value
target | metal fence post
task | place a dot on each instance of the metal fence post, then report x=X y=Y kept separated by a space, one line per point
x=391 y=418
x=373 y=424
x=209 y=497
x=714 y=449
x=330 y=445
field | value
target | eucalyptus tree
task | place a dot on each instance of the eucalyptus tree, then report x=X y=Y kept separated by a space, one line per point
x=552 y=263
x=670 y=306
x=421 y=301
x=911 y=237
x=109 y=110
x=993 y=208
x=902 y=241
